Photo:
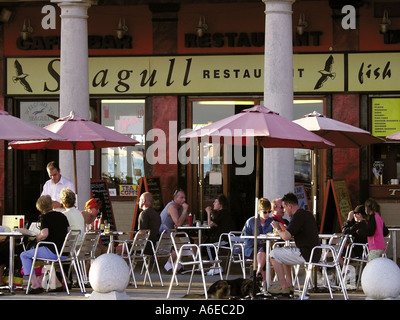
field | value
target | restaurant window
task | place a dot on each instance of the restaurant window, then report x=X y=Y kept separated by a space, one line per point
x=302 y=157
x=385 y=115
x=123 y=165
x=205 y=113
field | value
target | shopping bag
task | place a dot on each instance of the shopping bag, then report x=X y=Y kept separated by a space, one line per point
x=49 y=278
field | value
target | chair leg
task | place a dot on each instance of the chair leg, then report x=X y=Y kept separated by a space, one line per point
x=146 y=273
x=325 y=276
x=158 y=270
x=30 y=276
x=131 y=271
x=204 y=280
x=79 y=276
x=342 y=283
x=229 y=268
x=63 y=275
x=174 y=277
x=306 y=281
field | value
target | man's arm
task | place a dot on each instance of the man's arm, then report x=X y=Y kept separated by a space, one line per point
x=173 y=212
x=282 y=232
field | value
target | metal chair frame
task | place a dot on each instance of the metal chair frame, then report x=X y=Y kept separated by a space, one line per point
x=360 y=261
x=236 y=244
x=86 y=252
x=69 y=247
x=330 y=257
x=133 y=250
x=189 y=254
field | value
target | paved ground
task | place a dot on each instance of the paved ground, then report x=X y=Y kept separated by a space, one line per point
x=151 y=303
x=159 y=292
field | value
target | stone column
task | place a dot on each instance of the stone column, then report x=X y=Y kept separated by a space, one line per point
x=278 y=92
x=74 y=85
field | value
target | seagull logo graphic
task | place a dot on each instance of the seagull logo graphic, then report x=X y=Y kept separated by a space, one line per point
x=326 y=73
x=21 y=76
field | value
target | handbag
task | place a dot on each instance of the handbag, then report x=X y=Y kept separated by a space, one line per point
x=49 y=278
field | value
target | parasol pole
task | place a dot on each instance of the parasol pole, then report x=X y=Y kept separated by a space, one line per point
x=201 y=174
x=314 y=181
x=256 y=216
x=75 y=174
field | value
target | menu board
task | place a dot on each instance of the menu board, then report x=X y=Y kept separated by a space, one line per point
x=301 y=195
x=152 y=185
x=385 y=116
x=337 y=206
x=99 y=191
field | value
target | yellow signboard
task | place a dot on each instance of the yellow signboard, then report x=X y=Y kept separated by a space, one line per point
x=318 y=72
x=175 y=74
x=128 y=190
x=374 y=71
x=385 y=116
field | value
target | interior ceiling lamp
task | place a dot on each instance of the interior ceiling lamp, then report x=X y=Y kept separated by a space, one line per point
x=302 y=24
x=384 y=25
x=201 y=27
x=122 y=28
x=26 y=30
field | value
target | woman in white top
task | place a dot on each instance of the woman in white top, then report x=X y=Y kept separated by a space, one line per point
x=74 y=216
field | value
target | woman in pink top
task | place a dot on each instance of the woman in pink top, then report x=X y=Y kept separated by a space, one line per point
x=376 y=230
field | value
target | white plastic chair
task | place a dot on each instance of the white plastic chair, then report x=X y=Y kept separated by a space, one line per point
x=236 y=256
x=330 y=258
x=86 y=252
x=189 y=254
x=133 y=250
x=360 y=261
x=67 y=254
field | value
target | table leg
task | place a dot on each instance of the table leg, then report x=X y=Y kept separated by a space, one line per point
x=11 y=265
x=199 y=236
x=267 y=264
x=393 y=237
x=110 y=248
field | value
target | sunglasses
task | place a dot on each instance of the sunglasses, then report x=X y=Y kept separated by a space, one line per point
x=176 y=192
x=278 y=206
x=265 y=212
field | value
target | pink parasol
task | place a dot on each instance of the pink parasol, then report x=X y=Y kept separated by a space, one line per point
x=270 y=130
x=394 y=136
x=13 y=128
x=273 y=130
x=79 y=134
x=343 y=135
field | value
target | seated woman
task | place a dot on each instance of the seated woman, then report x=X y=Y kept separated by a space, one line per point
x=54 y=227
x=356 y=226
x=263 y=226
x=219 y=219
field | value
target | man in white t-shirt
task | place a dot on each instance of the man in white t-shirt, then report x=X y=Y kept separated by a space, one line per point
x=55 y=184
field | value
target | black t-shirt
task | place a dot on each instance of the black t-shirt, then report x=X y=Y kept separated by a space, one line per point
x=305 y=232
x=57 y=223
x=222 y=218
x=150 y=219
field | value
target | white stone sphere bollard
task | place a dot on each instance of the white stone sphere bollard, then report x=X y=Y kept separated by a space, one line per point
x=381 y=279
x=109 y=277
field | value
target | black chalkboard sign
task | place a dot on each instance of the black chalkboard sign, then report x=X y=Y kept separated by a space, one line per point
x=99 y=191
x=152 y=185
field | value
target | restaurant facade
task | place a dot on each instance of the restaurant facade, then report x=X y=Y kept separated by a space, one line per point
x=158 y=68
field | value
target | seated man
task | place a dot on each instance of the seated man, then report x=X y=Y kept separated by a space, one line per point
x=305 y=232
x=174 y=215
